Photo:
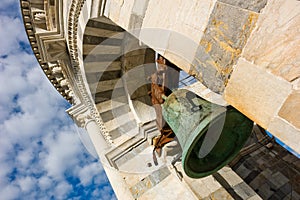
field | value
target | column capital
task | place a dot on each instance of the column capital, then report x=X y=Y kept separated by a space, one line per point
x=80 y=114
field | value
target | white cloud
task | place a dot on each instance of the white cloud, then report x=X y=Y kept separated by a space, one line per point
x=89 y=172
x=26 y=183
x=44 y=183
x=25 y=157
x=5 y=169
x=9 y=36
x=5 y=3
x=104 y=193
x=61 y=190
x=40 y=153
x=13 y=81
x=62 y=153
x=10 y=192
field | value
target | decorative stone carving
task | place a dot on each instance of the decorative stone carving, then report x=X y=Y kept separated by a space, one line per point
x=64 y=83
x=56 y=50
x=80 y=114
x=56 y=70
x=75 y=9
x=70 y=94
x=39 y=17
x=82 y=119
x=35 y=19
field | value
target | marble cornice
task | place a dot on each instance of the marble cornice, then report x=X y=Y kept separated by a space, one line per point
x=45 y=43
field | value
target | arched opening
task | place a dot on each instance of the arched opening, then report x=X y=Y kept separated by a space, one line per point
x=118 y=69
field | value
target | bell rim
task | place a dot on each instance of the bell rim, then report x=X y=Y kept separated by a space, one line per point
x=192 y=140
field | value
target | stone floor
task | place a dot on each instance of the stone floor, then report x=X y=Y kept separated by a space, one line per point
x=272 y=172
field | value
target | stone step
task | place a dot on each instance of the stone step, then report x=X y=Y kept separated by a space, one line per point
x=130 y=129
x=103 y=20
x=103 y=76
x=108 y=95
x=96 y=40
x=94 y=31
x=100 y=49
x=111 y=104
x=115 y=112
x=123 y=138
x=104 y=23
x=107 y=85
x=101 y=57
x=119 y=120
x=91 y=67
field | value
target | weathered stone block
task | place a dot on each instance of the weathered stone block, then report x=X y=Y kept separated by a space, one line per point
x=182 y=46
x=206 y=73
x=188 y=18
x=222 y=43
x=264 y=191
x=255 y=179
x=256 y=93
x=290 y=110
x=278 y=179
x=160 y=14
x=296 y=84
x=243 y=171
x=155 y=38
x=244 y=190
x=230 y=176
x=212 y=184
x=286 y=133
x=135 y=24
x=120 y=11
x=192 y=18
x=255 y=197
x=170 y=188
x=274 y=44
x=253 y=5
x=221 y=194
x=200 y=192
x=139 y=7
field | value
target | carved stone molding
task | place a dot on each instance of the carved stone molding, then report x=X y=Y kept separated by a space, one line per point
x=55 y=50
x=39 y=16
x=75 y=10
x=50 y=49
x=49 y=46
x=80 y=114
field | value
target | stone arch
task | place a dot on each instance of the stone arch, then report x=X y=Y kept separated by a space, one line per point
x=116 y=66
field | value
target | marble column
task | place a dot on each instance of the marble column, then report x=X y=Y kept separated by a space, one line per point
x=97 y=138
x=83 y=119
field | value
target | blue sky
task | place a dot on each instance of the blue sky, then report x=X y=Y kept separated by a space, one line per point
x=41 y=156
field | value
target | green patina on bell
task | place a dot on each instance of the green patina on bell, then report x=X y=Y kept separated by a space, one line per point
x=210 y=135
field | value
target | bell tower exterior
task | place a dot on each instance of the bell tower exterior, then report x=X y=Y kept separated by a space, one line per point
x=100 y=55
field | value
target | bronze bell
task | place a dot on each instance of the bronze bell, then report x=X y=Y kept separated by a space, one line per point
x=210 y=135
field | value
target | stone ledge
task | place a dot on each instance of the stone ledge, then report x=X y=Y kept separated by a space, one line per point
x=285 y=132
x=290 y=110
x=256 y=93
